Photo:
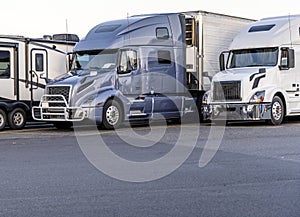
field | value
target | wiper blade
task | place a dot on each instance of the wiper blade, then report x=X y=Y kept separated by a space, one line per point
x=74 y=72
x=95 y=68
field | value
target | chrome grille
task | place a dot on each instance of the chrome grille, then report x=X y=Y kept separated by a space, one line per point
x=229 y=90
x=59 y=90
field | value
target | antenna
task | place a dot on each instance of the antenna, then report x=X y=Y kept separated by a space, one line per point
x=67 y=26
x=67 y=38
x=290 y=30
x=128 y=26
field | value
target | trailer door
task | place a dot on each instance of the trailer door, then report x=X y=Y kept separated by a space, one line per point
x=8 y=74
x=38 y=73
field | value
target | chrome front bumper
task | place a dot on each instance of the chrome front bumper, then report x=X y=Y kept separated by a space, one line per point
x=56 y=108
x=261 y=111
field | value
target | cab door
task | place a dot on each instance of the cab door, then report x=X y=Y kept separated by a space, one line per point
x=129 y=77
x=8 y=74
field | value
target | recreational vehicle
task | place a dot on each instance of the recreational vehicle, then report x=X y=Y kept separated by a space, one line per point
x=25 y=66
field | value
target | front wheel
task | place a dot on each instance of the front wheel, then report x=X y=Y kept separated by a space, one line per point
x=17 y=119
x=277 y=111
x=112 y=115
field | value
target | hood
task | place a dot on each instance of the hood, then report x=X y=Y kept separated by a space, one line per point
x=239 y=73
x=86 y=83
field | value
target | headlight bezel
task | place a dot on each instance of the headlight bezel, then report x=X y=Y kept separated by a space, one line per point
x=258 y=97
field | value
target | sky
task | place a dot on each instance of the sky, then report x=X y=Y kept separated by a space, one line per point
x=35 y=18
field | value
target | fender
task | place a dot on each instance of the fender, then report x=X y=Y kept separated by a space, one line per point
x=9 y=106
x=272 y=91
x=100 y=97
x=108 y=93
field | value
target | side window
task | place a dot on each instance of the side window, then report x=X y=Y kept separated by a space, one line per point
x=162 y=33
x=164 y=57
x=128 y=61
x=4 y=64
x=39 y=62
x=159 y=58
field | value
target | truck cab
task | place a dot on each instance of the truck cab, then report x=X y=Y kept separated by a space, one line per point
x=259 y=77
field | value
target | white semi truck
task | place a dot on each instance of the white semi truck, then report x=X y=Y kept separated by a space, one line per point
x=260 y=80
x=25 y=65
x=129 y=69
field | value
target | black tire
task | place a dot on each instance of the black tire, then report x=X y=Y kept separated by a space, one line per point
x=112 y=115
x=63 y=125
x=277 y=111
x=17 y=119
x=3 y=119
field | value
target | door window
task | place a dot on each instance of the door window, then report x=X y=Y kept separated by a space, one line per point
x=128 y=61
x=39 y=62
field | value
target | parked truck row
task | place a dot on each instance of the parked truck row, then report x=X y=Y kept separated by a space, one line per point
x=145 y=67
x=154 y=66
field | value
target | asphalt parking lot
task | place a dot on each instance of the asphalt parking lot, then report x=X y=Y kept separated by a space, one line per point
x=253 y=171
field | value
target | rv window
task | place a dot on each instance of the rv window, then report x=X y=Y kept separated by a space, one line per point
x=164 y=57
x=4 y=64
x=162 y=33
x=39 y=62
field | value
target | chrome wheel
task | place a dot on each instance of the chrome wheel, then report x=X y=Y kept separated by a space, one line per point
x=112 y=115
x=277 y=110
x=17 y=119
x=2 y=119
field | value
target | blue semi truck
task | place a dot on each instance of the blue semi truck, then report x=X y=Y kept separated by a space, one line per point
x=143 y=67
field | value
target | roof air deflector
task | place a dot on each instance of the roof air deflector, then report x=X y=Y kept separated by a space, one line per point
x=106 y=28
x=261 y=28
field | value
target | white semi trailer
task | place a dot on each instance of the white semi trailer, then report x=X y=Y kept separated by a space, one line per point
x=25 y=66
x=261 y=77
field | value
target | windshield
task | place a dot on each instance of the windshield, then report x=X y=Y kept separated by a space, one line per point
x=253 y=57
x=100 y=60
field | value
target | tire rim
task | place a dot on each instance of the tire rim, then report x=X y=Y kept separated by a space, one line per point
x=18 y=119
x=277 y=111
x=2 y=121
x=112 y=115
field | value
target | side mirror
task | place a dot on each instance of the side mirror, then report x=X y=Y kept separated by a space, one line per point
x=121 y=70
x=291 y=62
x=124 y=70
x=287 y=59
x=43 y=76
x=69 y=60
x=205 y=74
x=222 y=60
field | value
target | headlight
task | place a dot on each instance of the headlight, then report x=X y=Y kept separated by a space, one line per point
x=258 y=97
